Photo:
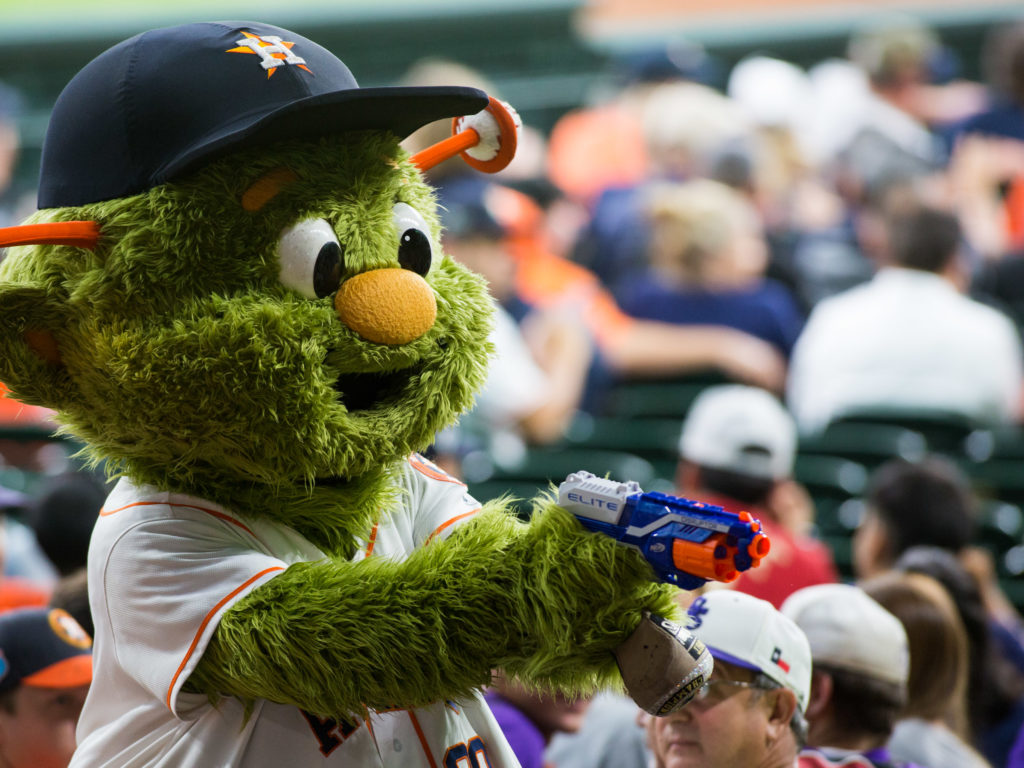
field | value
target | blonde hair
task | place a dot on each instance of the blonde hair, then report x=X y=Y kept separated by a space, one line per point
x=694 y=222
x=937 y=685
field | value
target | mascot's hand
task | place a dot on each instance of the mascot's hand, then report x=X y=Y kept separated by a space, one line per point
x=662 y=665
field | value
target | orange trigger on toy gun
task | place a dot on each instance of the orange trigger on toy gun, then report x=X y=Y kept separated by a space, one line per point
x=81 y=234
x=469 y=137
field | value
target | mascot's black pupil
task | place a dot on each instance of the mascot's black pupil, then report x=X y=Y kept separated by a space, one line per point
x=327 y=270
x=414 y=251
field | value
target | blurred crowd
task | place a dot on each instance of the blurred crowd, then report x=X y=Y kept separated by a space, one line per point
x=832 y=240
x=846 y=237
x=839 y=240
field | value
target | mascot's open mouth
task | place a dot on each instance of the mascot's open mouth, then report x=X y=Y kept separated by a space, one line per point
x=362 y=391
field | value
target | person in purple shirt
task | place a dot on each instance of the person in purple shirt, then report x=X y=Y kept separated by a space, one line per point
x=1016 y=758
x=529 y=719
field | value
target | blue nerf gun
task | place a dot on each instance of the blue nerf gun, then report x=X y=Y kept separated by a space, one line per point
x=688 y=543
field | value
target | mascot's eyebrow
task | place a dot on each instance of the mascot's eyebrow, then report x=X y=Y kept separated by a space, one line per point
x=266 y=187
x=81 y=234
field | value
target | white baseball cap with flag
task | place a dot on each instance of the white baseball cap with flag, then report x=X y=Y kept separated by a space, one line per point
x=849 y=630
x=751 y=633
x=740 y=429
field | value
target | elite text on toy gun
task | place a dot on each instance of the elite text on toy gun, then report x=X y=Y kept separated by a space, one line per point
x=687 y=542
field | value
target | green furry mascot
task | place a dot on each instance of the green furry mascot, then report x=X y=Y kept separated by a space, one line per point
x=235 y=296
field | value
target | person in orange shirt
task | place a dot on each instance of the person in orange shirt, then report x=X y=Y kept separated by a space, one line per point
x=736 y=450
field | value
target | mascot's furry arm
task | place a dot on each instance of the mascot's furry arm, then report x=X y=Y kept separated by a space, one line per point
x=545 y=601
x=305 y=406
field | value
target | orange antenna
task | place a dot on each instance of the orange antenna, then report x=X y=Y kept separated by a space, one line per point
x=81 y=234
x=486 y=141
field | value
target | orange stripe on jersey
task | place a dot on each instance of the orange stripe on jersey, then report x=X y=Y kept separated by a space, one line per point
x=424 y=467
x=207 y=619
x=214 y=512
x=369 y=723
x=423 y=739
x=446 y=523
x=373 y=540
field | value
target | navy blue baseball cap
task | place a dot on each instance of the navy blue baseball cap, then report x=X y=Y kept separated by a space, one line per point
x=43 y=648
x=168 y=100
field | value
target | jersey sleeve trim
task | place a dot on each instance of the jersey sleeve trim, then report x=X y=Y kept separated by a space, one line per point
x=373 y=540
x=202 y=628
x=424 y=467
x=447 y=523
x=219 y=515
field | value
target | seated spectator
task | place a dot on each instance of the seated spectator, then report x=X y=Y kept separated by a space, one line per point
x=1002 y=57
x=706 y=263
x=995 y=683
x=859 y=675
x=750 y=713
x=609 y=737
x=541 y=355
x=530 y=718
x=686 y=127
x=44 y=681
x=933 y=728
x=26 y=575
x=737 y=450
x=908 y=338
x=929 y=505
x=907 y=504
x=533 y=279
x=63 y=515
x=891 y=131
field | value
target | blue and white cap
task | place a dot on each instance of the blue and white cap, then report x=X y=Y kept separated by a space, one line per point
x=749 y=632
x=163 y=102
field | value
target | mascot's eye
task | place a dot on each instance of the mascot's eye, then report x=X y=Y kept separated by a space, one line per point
x=311 y=258
x=414 y=249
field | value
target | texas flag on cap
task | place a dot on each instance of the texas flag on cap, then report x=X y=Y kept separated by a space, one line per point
x=751 y=633
x=43 y=648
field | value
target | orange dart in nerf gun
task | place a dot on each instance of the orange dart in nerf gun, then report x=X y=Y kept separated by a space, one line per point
x=486 y=141
x=688 y=543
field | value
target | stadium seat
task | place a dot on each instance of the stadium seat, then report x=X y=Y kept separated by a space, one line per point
x=943 y=431
x=657 y=397
x=867 y=443
x=655 y=439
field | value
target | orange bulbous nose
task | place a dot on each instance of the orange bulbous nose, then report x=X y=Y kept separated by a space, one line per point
x=387 y=306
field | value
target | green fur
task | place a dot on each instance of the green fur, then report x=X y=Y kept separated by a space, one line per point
x=186 y=365
x=545 y=601
x=179 y=315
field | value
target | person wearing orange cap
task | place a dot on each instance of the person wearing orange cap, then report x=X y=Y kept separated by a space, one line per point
x=45 y=672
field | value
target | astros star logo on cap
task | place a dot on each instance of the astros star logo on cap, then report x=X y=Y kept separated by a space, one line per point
x=272 y=50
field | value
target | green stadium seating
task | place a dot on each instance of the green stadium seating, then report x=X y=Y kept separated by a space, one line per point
x=870 y=444
x=942 y=431
x=670 y=398
x=652 y=438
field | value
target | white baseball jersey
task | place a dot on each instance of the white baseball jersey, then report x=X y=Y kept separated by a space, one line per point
x=163 y=569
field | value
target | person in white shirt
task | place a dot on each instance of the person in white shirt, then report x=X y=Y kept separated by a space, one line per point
x=909 y=338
